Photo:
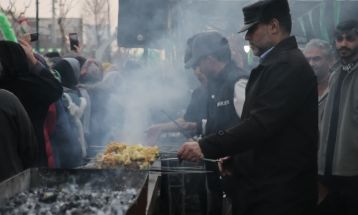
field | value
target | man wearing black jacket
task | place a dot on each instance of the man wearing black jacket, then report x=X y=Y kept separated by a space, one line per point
x=274 y=147
x=211 y=55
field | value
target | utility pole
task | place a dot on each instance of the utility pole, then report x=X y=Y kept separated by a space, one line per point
x=109 y=30
x=37 y=24
x=109 y=18
x=53 y=27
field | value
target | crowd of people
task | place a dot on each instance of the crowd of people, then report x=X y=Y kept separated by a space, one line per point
x=51 y=107
x=284 y=133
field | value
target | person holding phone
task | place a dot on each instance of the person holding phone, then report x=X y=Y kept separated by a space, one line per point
x=33 y=37
x=74 y=43
x=32 y=83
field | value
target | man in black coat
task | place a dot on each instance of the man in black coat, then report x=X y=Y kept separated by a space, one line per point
x=274 y=147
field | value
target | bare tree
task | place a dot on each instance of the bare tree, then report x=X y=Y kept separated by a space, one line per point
x=65 y=7
x=9 y=8
x=97 y=16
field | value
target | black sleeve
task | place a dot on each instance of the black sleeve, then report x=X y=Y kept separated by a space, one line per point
x=284 y=92
x=43 y=84
x=37 y=68
x=28 y=146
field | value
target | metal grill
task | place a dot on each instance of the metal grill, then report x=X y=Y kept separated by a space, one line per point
x=180 y=189
x=122 y=191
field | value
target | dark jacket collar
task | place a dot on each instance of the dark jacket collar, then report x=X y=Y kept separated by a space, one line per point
x=285 y=45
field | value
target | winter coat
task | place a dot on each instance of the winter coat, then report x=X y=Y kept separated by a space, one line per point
x=68 y=138
x=18 y=145
x=344 y=157
x=275 y=144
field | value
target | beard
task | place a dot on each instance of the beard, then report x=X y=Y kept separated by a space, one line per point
x=258 y=51
x=210 y=75
x=346 y=53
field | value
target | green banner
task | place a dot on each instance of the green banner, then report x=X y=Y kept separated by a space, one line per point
x=322 y=21
x=302 y=24
x=337 y=12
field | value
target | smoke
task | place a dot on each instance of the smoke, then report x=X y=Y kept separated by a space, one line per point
x=139 y=97
x=135 y=102
x=147 y=86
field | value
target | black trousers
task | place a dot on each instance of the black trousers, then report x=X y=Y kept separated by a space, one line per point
x=215 y=189
x=342 y=198
x=282 y=198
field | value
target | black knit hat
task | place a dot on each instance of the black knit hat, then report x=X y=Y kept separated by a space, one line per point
x=347 y=26
x=69 y=69
x=188 y=49
x=81 y=59
x=204 y=44
x=13 y=59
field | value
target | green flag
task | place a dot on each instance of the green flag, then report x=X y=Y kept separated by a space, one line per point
x=337 y=12
x=322 y=21
x=6 y=29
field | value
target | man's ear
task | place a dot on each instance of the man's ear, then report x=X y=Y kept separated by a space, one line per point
x=274 y=27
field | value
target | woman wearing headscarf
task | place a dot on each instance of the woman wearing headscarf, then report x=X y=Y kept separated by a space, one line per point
x=94 y=89
x=68 y=136
x=32 y=83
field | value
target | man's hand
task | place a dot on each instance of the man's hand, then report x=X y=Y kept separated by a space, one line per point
x=28 y=51
x=190 y=151
x=224 y=166
x=189 y=125
x=26 y=37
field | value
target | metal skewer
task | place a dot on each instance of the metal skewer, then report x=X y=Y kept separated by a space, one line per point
x=181 y=129
x=204 y=159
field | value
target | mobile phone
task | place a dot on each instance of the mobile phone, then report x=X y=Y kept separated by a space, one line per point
x=34 y=37
x=73 y=40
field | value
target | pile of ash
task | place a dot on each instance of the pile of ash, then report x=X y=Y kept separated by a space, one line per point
x=70 y=199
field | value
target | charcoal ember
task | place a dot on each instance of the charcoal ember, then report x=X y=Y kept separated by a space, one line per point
x=48 y=197
x=69 y=199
